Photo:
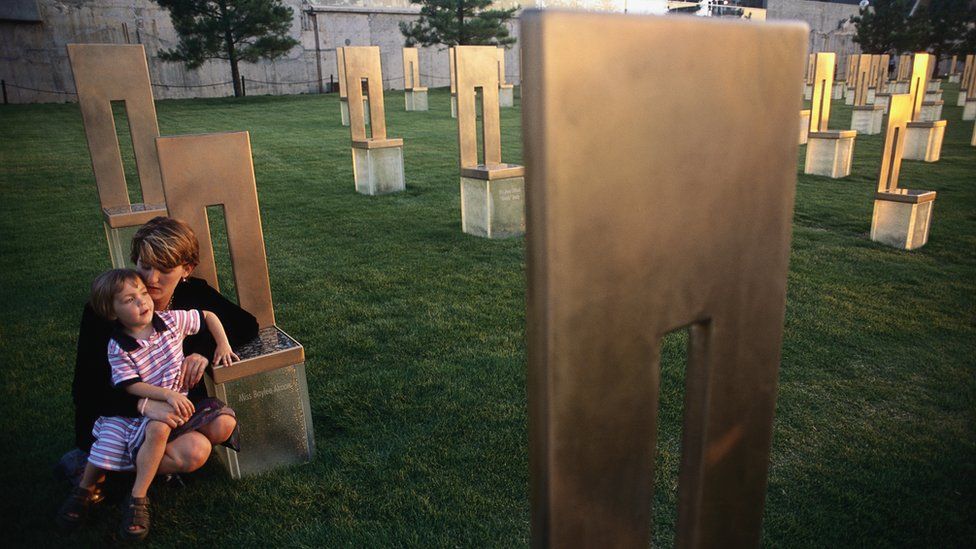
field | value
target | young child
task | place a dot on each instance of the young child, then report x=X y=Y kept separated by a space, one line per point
x=146 y=354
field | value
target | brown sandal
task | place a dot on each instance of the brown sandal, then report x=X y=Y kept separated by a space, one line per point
x=135 y=512
x=74 y=510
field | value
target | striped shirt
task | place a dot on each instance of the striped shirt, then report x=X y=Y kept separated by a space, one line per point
x=157 y=361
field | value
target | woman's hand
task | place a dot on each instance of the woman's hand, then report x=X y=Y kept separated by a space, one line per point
x=192 y=371
x=224 y=355
x=180 y=403
x=161 y=411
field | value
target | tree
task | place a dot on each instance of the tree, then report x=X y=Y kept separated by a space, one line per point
x=235 y=30
x=942 y=26
x=459 y=23
x=882 y=26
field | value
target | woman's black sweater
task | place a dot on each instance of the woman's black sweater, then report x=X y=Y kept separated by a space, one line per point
x=92 y=388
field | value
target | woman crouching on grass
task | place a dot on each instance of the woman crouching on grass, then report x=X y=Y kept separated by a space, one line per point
x=146 y=356
x=165 y=252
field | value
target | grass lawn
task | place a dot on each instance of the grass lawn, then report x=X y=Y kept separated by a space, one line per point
x=414 y=337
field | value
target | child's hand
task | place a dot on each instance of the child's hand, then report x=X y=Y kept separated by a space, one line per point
x=223 y=356
x=180 y=404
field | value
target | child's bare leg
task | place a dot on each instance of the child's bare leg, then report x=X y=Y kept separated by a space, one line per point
x=220 y=429
x=149 y=456
x=76 y=506
x=92 y=476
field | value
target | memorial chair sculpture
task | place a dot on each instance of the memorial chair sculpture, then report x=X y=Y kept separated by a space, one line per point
x=933 y=88
x=901 y=216
x=110 y=72
x=903 y=75
x=506 y=93
x=267 y=387
x=414 y=95
x=839 y=84
x=647 y=213
x=866 y=118
x=882 y=88
x=804 y=126
x=967 y=89
x=492 y=192
x=343 y=94
x=932 y=101
x=923 y=138
x=966 y=80
x=377 y=159
x=952 y=74
x=878 y=77
x=829 y=152
x=850 y=79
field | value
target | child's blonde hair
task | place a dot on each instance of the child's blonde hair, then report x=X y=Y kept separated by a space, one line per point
x=106 y=286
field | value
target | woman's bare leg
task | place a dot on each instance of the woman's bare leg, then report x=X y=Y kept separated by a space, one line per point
x=220 y=429
x=186 y=454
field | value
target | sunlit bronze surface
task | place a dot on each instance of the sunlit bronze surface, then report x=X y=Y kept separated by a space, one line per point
x=272 y=349
x=363 y=63
x=649 y=213
x=341 y=69
x=493 y=171
x=110 y=72
x=919 y=82
x=968 y=74
x=823 y=84
x=880 y=70
x=851 y=73
x=899 y=114
x=873 y=70
x=378 y=143
x=477 y=67
x=904 y=67
x=216 y=169
x=411 y=70
x=862 y=80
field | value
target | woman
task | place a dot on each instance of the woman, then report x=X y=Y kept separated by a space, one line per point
x=165 y=252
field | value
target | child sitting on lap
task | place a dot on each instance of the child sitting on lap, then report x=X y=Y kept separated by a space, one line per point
x=146 y=354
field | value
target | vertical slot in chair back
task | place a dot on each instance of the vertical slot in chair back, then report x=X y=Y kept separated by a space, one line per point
x=109 y=72
x=216 y=169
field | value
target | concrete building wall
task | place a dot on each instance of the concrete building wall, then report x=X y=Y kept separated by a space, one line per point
x=830 y=29
x=34 y=62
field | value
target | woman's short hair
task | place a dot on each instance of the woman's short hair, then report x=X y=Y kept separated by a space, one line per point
x=165 y=243
x=106 y=286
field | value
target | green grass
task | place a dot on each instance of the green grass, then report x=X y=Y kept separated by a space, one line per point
x=414 y=337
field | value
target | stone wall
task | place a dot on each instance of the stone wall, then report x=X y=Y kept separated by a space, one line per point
x=829 y=26
x=33 y=56
x=34 y=62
